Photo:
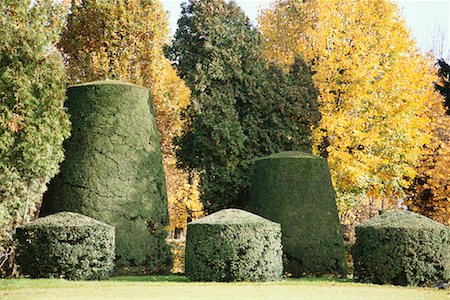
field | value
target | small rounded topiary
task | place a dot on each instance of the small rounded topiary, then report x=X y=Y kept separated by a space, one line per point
x=294 y=189
x=66 y=245
x=113 y=172
x=233 y=245
x=402 y=248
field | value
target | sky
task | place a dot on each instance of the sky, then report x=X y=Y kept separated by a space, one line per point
x=429 y=20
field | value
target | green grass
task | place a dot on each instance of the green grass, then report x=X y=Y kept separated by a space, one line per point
x=178 y=287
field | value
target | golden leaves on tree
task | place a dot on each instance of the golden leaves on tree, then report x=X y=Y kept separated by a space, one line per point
x=373 y=84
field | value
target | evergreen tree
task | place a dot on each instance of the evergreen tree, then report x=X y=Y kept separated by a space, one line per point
x=240 y=108
x=33 y=122
x=444 y=87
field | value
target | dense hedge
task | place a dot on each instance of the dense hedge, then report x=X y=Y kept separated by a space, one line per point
x=294 y=189
x=113 y=172
x=402 y=248
x=66 y=245
x=233 y=245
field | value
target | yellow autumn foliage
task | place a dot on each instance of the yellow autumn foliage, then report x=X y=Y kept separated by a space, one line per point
x=123 y=40
x=430 y=193
x=373 y=85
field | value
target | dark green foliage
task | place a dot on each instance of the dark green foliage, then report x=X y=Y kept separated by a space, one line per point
x=113 y=172
x=294 y=189
x=444 y=87
x=66 y=245
x=233 y=245
x=241 y=108
x=402 y=248
x=33 y=122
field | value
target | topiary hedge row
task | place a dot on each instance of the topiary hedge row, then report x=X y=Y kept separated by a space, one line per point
x=66 y=245
x=402 y=248
x=294 y=189
x=113 y=172
x=233 y=245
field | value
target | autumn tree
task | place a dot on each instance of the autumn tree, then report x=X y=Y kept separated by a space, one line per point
x=430 y=192
x=123 y=39
x=33 y=122
x=240 y=107
x=373 y=89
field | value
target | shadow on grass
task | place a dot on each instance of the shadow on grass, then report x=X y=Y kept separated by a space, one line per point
x=150 y=278
x=319 y=279
x=181 y=278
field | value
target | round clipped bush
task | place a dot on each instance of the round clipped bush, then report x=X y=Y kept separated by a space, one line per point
x=66 y=245
x=233 y=245
x=294 y=189
x=402 y=248
x=113 y=172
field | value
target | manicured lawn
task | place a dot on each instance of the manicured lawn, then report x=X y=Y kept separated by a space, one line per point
x=178 y=287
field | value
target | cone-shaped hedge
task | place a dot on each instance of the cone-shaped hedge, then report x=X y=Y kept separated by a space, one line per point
x=113 y=171
x=233 y=245
x=66 y=245
x=294 y=189
x=402 y=248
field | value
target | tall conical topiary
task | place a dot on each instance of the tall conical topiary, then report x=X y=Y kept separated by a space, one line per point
x=113 y=171
x=294 y=189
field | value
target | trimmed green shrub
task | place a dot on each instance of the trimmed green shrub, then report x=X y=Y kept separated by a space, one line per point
x=402 y=248
x=66 y=245
x=233 y=245
x=294 y=189
x=113 y=172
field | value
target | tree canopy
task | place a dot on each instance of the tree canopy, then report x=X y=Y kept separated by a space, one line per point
x=125 y=43
x=241 y=108
x=33 y=122
x=373 y=85
x=430 y=192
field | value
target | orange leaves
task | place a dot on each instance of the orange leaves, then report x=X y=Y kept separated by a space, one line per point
x=123 y=40
x=430 y=193
x=115 y=38
x=184 y=197
x=14 y=123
